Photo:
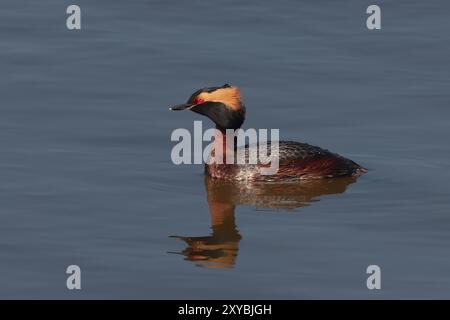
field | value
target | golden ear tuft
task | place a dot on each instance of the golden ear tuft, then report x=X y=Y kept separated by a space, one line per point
x=231 y=96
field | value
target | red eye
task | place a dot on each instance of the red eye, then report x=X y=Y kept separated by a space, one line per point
x=199 y=101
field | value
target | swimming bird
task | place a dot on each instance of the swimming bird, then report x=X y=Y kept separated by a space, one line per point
x=297 y=161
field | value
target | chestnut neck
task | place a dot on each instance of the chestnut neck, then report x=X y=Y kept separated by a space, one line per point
x=223 y=144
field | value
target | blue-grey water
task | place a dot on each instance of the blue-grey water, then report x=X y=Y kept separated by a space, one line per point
x=86 y=176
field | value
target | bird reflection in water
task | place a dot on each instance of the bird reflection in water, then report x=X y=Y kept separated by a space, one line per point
x=220 y=249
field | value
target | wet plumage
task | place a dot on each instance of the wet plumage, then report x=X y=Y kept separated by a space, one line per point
x=297 y=161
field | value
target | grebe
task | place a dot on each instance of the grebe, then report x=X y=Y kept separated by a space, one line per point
x=297 y=161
